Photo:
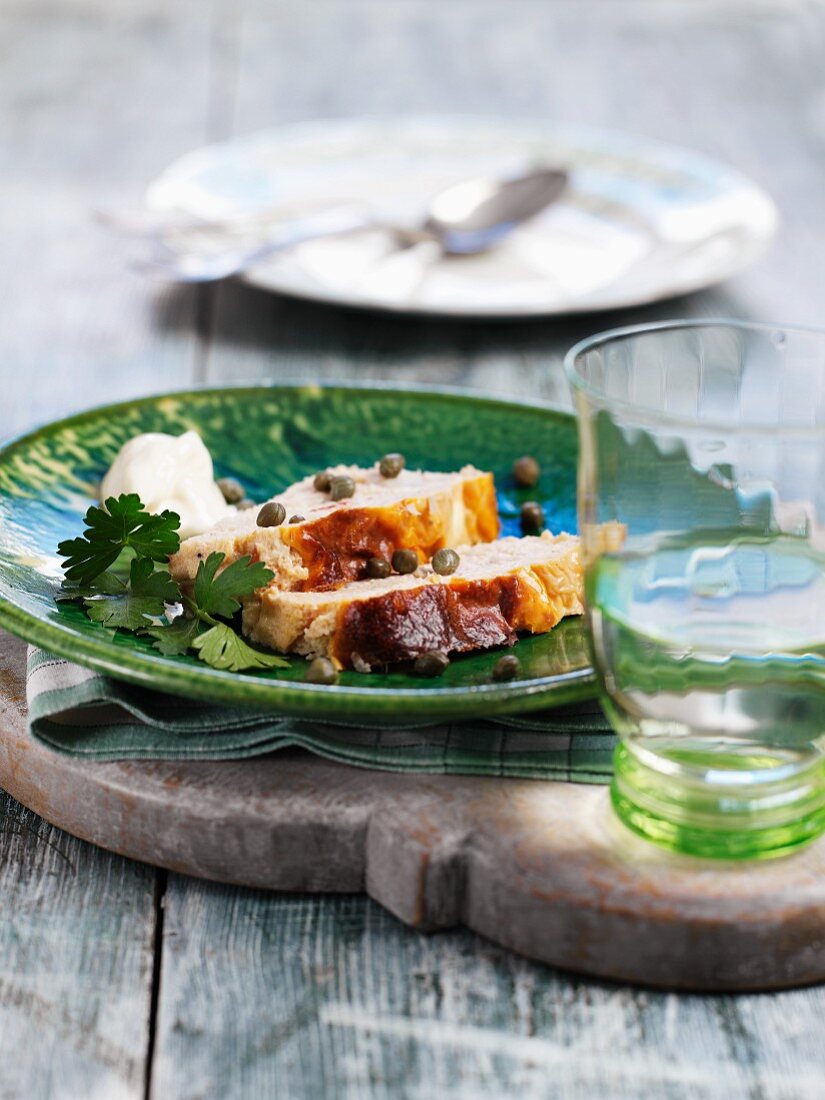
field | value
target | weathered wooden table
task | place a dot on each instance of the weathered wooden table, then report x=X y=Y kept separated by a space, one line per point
x=117 y=980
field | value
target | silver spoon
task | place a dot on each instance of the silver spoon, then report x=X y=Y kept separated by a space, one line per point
x=465 y=219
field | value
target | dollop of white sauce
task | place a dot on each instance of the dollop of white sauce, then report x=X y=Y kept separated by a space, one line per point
x=168 y=471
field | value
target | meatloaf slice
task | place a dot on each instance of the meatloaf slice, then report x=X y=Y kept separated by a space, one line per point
x=499 y=588
x=330 y=545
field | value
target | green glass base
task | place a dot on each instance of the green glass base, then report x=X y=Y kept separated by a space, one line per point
x=707 y=809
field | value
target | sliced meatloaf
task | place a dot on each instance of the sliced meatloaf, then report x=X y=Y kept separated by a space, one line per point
x=499 y=588
x=331 y=544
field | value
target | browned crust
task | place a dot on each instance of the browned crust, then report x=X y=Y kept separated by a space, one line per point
x=454 y=618
x=335 y=548
x=402 y=625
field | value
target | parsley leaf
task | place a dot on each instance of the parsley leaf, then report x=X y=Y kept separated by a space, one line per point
x=107 y=584
x=222 y=648
x=213 y=594
x=122 y=523
x=146 y=597
x=218 y=593
x=175 y=638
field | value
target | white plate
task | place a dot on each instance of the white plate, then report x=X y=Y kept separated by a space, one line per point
x=640 y=220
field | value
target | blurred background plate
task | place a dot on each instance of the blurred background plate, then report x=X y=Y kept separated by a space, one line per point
x=640 y=220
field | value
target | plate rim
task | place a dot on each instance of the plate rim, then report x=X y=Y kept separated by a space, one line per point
x=528 y=125
x=314 y=702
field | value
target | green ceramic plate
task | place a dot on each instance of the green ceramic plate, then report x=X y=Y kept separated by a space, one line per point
x=267 y=437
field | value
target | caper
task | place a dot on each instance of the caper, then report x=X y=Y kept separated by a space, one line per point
x=532 y=517
x=322 y=481
x=445 y=561
x=378 y=568
x=297 y=519
x=405 y=561
x=526 y=471
x=272 y=514
x=321 y=671
x=431 y=664
x=246 y=504
x=507 y=667
x=391 y=465
x=233 y=492
x=341 y=487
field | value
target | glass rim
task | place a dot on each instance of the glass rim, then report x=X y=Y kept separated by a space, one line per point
x=647 y=416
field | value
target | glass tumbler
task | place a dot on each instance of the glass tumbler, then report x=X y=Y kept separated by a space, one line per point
x=702 y=517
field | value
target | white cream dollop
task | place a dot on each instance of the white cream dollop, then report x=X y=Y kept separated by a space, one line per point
x=168 y=471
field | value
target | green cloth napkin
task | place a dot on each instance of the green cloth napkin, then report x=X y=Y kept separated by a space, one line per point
x=79 y=712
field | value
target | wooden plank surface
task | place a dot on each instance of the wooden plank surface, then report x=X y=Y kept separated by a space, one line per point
x=76 y=957
x=95 y=96
x=294 y=996
x=279 y=995
x=77 y=947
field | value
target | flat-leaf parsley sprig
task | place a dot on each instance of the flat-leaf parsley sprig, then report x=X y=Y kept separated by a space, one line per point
x=146 y=600
x=121 y=524
x=142 y=598
x=217 y=594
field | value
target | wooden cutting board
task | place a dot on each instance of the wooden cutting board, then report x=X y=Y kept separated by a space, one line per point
x=540 y=867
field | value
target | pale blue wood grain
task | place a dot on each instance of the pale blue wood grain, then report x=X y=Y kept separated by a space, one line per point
x=97 y=97
x=332 y=997
x=76 y=948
